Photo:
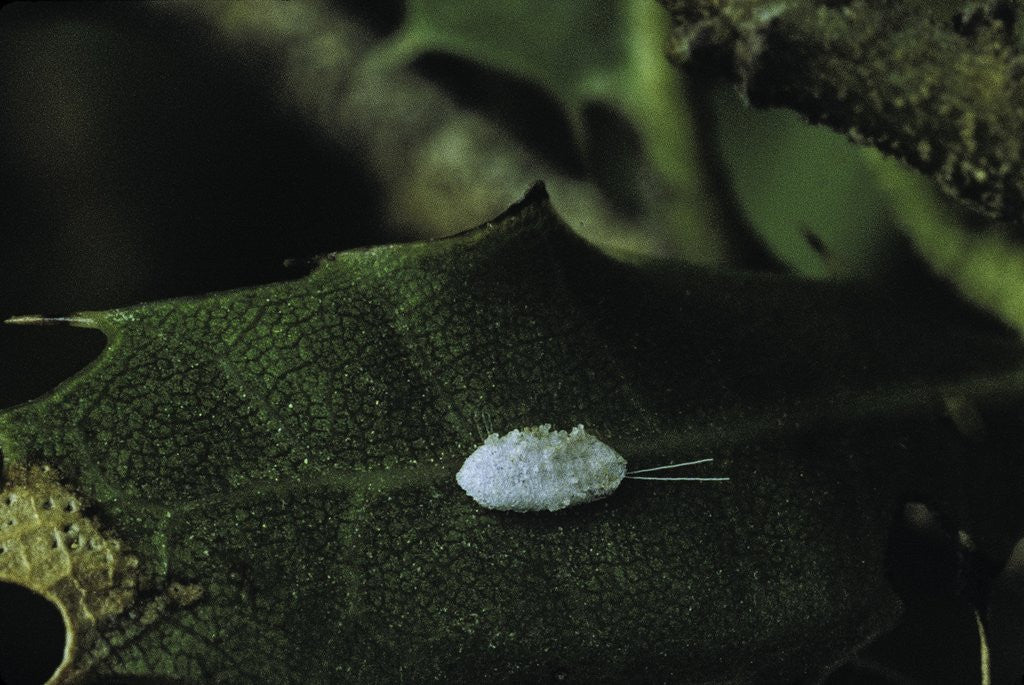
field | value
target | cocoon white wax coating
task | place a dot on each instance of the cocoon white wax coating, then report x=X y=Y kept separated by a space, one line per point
x=537 y=469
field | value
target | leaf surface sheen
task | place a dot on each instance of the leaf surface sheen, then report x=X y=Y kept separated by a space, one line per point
x=280 y=464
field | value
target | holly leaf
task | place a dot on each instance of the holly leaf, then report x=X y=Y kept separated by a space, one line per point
x=259 y=485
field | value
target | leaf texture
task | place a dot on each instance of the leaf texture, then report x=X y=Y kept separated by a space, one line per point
x=272 y=470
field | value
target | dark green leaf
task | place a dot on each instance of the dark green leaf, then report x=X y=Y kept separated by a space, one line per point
x=268 y=475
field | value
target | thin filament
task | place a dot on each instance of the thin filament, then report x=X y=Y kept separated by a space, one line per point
x=672 y=466
x=677 y=478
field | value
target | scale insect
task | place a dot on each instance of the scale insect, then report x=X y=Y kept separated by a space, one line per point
x=537 y=469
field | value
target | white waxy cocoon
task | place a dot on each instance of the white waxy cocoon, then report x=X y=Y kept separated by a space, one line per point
x=537 y=469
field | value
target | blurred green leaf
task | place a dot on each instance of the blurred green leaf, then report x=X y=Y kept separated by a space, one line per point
x=807 y=193
x=580 y=51
x=281 y=463
x=604 y=63
x=982 y=258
